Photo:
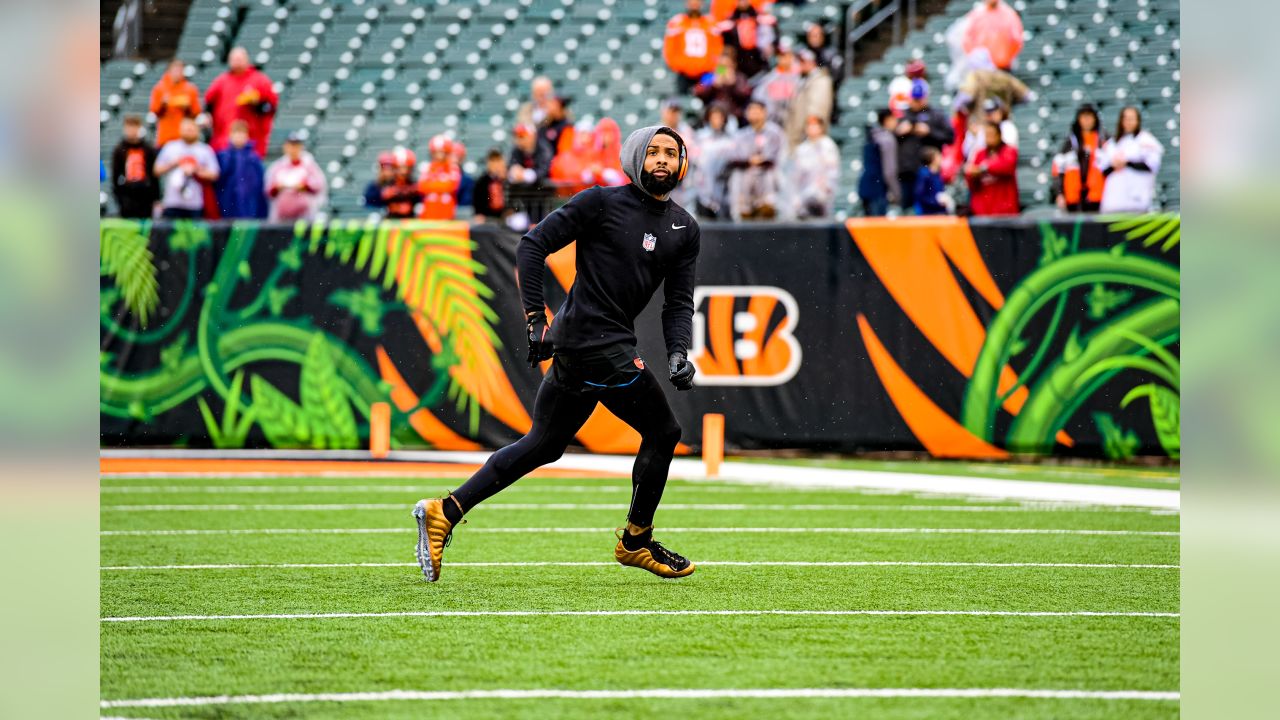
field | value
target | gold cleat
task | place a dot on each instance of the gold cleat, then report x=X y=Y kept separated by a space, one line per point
x=652 y=556
x=434 y=533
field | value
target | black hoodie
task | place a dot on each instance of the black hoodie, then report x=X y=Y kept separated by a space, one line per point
x=628 y=243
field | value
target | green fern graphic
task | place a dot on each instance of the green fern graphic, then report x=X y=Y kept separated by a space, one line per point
x=126 y=259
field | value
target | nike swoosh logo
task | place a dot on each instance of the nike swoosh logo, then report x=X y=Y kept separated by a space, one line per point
x=678 y=227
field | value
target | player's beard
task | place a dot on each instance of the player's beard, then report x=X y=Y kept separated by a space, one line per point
x=658 y=187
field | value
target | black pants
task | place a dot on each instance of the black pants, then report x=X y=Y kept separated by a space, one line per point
x=559 y=412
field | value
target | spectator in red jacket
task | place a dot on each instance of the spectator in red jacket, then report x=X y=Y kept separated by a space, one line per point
x=993 y=176
x=241 y=93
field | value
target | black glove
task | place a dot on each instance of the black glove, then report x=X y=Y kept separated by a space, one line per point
x=539 y=343
x=681 y=371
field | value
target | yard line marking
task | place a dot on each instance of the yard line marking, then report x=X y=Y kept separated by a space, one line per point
x=765 y=530
x=724 y=563
x=719 y=507
x=616 y=613
x=654 y=693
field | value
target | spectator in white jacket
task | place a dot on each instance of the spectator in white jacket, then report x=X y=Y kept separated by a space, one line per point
x=295 y=183
x=1129 y=161
x=815 y=173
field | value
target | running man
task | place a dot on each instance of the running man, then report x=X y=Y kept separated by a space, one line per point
x=631 y=239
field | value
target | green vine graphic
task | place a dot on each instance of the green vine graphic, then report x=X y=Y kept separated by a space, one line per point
x=1126 y=337
x=211 y=363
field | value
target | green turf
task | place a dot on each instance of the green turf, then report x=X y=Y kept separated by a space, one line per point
x=1158 y=477
x=233 y=657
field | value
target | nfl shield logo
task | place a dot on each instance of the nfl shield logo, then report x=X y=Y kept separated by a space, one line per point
x=649 y=242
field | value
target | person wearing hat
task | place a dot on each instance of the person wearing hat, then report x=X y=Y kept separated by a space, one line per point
x=528 y=170
x=630 y=240
x=295 y=182
x=815 y=96
x=440 y=181
x=920 y=126
x=778 y=86
x=994 y=112
x=386 y=175
x=402 y=194
x=900 y=86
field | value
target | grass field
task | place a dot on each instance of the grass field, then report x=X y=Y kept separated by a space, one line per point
x=837 y=603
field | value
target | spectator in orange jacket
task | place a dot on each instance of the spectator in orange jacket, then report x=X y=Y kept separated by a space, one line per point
x=998 y=28
x=172 y=99
x=692 y=46
x=1077 y=177
x=993 y=176
x=241 y=93
x=439 y=184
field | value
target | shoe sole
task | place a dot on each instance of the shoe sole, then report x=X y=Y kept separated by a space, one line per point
x=670 y=575
x=423 y=547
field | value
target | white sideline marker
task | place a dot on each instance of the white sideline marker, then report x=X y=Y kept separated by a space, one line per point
x=710 y=563
x=629 y=613
x=753 y=530
x=656 y=693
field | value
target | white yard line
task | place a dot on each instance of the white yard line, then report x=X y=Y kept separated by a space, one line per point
x=801 y=507
x=621 y=613
x=725 y=563
x=655 y=693
x=764 y=530
x=752 y=474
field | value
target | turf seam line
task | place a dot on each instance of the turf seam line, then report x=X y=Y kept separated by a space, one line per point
x=663 y=693
x=712 y=563
x=629 y=613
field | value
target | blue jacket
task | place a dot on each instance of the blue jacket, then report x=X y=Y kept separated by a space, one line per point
x=928 y=185
x=240 y=183
x=466 y=190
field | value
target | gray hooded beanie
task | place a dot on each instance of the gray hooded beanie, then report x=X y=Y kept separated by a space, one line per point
x=632 y=154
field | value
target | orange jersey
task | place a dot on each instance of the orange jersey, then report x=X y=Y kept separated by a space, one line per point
x=439 y=187
x=722 y=9
x=693 y=45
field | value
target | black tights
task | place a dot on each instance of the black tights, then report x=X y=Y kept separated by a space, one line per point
x=558 y=414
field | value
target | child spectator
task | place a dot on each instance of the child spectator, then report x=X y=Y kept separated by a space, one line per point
x=815 y=174
x=930 y=191
x=185 y=164
x=239 y=190
x=439 y=183
x=490 y=197
x=386 y=176
x=992 y=175
x=878 y=187
x=401 y=196
x=1130 y=161
x=133 y=181
x=295 y=183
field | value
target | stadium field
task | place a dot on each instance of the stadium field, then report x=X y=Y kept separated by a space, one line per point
x=295 y=596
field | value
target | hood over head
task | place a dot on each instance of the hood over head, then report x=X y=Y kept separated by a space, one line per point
x=632 y=155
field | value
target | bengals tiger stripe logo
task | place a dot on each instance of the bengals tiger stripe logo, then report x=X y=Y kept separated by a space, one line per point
x=744 y=335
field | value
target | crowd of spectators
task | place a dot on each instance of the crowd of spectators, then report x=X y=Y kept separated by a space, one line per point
x=758 y=145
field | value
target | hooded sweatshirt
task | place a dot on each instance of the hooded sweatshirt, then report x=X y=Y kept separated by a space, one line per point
x=629 y=243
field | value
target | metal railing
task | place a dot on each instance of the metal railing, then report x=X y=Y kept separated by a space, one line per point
x=892 y=10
